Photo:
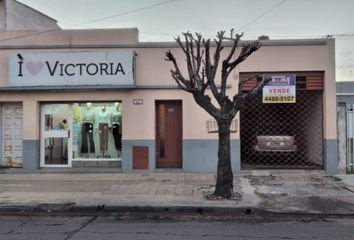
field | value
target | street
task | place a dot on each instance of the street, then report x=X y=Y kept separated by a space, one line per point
x=111 y=227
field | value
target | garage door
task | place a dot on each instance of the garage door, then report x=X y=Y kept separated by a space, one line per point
x=11 y=135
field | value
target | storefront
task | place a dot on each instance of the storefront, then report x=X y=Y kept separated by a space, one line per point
x=81 y=134
x=99 y=99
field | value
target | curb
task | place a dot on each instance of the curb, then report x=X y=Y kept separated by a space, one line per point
x=165 y=212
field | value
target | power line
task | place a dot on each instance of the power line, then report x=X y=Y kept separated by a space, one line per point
x=29 y=35
x=124 y=13
x=171 y=34
x=262 y=15
x=343 y=35
x=91 y=21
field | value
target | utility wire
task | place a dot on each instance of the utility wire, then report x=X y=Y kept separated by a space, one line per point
x=260 y=16
x=29 y=35
x=91 y=21
x=343 y=35
x=124 y=13
x=171 y=34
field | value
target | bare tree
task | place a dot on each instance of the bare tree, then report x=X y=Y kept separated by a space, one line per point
x=202 y=66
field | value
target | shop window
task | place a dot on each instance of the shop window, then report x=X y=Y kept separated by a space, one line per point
x=73 y=133
x=97 y=130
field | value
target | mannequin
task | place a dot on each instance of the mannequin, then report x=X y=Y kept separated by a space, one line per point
x=103 y=128
x=116 y=119
x=76 y=127
x=76 y=112
x=88 y=121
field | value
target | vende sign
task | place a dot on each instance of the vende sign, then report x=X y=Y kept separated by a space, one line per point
x=72 y=68
x=281 y=89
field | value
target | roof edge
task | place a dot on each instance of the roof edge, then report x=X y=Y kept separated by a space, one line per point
x=285 y=42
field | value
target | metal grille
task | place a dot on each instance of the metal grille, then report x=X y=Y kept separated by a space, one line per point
x=350 y=137
x=283 y=136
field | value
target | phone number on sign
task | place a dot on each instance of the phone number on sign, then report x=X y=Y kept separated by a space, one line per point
x=279 y=99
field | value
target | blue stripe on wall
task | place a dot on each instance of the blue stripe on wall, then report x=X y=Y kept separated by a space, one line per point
x=330 y=155
x=199 y=155
x=31 y=155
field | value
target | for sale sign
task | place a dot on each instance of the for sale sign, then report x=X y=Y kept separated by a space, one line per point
x=280 y=89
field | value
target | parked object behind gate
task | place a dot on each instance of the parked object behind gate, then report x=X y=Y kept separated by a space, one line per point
x=275 y=144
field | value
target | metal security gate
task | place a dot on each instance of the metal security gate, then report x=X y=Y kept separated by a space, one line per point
x=11 y=135
x=283 y=136
x=350 y=137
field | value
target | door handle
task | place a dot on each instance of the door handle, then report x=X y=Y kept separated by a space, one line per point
x=68 y=133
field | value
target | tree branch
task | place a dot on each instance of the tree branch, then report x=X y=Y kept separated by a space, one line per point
x=209 y=68
x=235 y=40
x=176 y=74
x=241 y=98
x=205 y=102
x=218 y=96
x=246 y=51
x=202 y=71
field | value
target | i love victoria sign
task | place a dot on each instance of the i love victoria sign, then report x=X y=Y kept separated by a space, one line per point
x=72 y=68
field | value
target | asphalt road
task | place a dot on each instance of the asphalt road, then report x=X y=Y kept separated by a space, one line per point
x=110 y=227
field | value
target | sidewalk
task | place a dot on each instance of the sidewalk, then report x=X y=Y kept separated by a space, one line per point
x=309 y=193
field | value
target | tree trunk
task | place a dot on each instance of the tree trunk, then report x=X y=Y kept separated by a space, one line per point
x=224 y=181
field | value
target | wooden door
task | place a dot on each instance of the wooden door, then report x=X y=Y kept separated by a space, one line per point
x=169 y=134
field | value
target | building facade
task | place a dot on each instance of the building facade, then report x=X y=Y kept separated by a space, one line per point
x=345 y=125
x=15 y=16
x=102 y=100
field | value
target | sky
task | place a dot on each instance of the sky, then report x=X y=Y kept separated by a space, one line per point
x=162 y=20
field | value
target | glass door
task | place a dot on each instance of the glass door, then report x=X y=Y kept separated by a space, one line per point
x=55 y=135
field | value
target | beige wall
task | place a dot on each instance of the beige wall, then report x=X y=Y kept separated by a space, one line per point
x=153 y=70
x=302 y=58
x=138 y=120
x=330 y=104
x=268 y=58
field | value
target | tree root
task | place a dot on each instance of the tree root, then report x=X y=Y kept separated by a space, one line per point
x=213 y=197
